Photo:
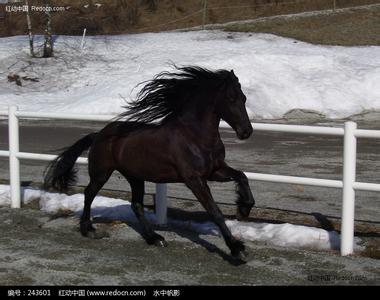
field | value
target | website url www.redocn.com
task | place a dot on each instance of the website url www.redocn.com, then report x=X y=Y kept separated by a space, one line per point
x=101 y=293
x=117 y=293
x=32 y=8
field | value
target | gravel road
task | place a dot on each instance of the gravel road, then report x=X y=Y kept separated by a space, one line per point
x=39 y=249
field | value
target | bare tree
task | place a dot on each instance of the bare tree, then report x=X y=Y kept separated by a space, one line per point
x=48 y=44
x=31 y=44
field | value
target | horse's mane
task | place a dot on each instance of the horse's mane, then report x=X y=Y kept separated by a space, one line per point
x=164 y=95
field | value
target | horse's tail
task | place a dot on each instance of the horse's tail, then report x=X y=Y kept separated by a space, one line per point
x=60 y=173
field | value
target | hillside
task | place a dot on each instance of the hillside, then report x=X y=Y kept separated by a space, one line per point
x=277 y=74
x=132 y=16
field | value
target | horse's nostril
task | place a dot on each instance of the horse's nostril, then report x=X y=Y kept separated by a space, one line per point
x=250 y=131
x=244 y=134
x=247 y=133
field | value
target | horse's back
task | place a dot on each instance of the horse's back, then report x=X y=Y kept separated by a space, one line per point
x=135 y=150
x=156 y=153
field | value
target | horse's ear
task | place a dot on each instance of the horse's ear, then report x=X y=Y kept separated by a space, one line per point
x=232 y=74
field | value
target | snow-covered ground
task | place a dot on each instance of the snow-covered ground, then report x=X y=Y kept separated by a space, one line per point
x=285 y=235
x=277 y=74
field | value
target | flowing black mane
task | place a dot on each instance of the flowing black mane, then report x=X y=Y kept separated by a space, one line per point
x=165 y=94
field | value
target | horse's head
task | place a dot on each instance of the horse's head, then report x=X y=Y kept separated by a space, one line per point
x=231 y=107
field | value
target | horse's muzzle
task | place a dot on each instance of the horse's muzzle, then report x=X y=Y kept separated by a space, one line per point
x=244 y=134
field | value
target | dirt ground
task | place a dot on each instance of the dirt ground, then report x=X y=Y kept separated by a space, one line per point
x=40 y=249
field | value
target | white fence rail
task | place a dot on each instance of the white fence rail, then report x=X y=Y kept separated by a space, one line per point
x=348 y=184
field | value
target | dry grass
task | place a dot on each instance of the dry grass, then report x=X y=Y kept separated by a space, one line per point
x=359 y=26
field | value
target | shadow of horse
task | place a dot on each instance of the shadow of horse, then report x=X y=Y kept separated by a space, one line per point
x=125 y=214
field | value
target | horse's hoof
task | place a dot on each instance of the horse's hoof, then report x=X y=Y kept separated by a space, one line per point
x=161 y=243
x=97 y=235
x=86 y=229
x=91 y=235
x=242 y=213
x=157 y=240
x=240 y=257
x=239 y=216
x=239 y=251
x=243 y=255
x=87 y=233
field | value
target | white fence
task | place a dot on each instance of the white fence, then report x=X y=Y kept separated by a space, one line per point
x=348 y=184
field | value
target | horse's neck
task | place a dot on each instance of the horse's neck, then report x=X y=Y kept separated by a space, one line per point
x=202 y=123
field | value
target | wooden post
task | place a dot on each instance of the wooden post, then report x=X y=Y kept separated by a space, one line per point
x=204 y=14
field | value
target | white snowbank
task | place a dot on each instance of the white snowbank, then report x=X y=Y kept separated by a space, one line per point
x=277 y=74
x=286 y=235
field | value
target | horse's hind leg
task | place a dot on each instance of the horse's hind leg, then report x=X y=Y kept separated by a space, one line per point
x=149 y=235
x=96 y=183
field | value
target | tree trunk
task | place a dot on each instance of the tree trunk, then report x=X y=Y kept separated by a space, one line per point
x=48 y=44
x=31 y=45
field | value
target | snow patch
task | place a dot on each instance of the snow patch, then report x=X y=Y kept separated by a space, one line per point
x=277 y=74
x=285 y=235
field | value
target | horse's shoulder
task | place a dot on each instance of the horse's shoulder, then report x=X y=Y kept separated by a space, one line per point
x=219 y=151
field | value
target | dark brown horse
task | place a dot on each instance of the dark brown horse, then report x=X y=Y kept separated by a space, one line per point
x=171 y=134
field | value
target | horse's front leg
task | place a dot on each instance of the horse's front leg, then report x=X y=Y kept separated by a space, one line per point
x=201 y=190
x=245 y=199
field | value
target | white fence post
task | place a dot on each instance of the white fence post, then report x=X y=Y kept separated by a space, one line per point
x=14 y=163
x=349 y=177
x=161 y=203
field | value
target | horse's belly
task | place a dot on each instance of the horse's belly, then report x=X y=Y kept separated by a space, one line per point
x=140 y=161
